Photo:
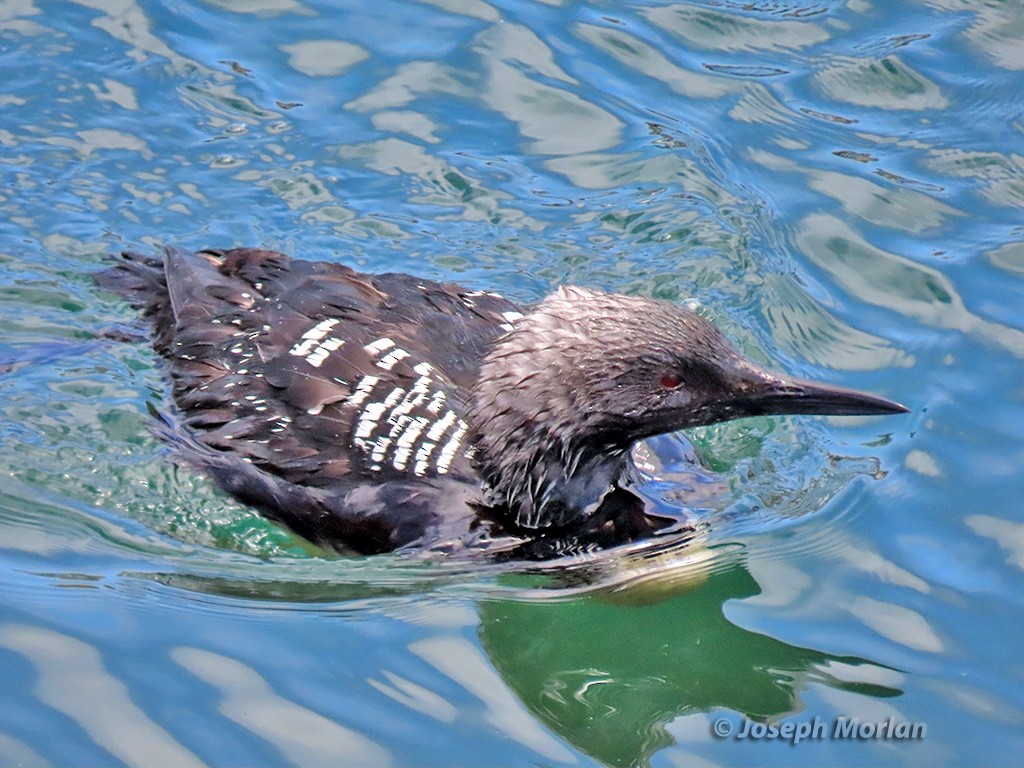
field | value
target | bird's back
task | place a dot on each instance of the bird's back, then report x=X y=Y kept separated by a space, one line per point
x=334 y=401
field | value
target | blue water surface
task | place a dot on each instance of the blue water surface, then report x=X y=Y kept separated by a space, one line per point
x=839 y=185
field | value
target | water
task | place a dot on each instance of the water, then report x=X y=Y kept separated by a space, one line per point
x=838 y=184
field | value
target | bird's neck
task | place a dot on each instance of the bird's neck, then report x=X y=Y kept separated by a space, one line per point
x=548 y=483
x=544 y=451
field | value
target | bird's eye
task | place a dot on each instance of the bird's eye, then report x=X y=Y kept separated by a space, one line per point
x=671 y=381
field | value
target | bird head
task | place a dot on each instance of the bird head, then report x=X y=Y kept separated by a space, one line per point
x=563 y=396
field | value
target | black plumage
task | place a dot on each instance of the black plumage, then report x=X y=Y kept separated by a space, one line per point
x=375 y=412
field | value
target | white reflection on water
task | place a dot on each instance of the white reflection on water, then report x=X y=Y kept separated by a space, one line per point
x=652 y=62
x=711 y=30
x=995 y=31
x=303 y=736
x=886 y=279
x=73 y=680
x=887 y=206
x=415 y=697
x=898 y=623
x=323 y=58
x=859 y=556
x=923 y=463
x=1009 y=535
x=464 y=663
x=802 y=326
x=14 y=752
x=126 y=21
x=884 y=83
x=558 y=121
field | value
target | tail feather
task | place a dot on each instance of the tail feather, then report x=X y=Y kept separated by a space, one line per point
x=136 y=278
x=142 y=280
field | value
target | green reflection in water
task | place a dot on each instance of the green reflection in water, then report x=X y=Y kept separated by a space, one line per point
x=608 y=676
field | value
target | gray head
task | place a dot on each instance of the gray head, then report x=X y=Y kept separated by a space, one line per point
x=562 y=397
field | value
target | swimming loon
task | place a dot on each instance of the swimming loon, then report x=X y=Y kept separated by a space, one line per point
x=374 y=412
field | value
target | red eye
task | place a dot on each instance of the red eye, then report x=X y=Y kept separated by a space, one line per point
x=671 y=381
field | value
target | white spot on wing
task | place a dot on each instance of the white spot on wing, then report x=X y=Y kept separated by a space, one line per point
x=444 y=460
x=437 y=402
x=363 y=390
x=312 y=336
x=394 y=397
x=438 y=428
x=423 y=458
x=378 y=346
x=510 y=317
x=316 y=357
x=380 y=448
x=368 y=419
x=388 y=361
x=302 y=348
x=406 y=441
x=320 y=330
